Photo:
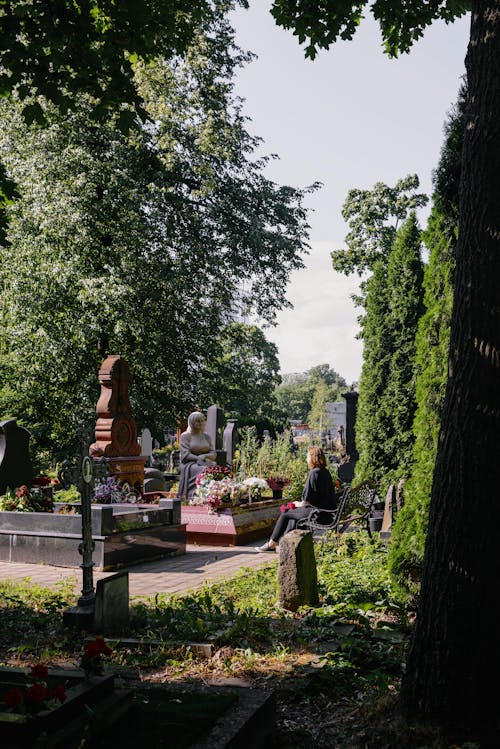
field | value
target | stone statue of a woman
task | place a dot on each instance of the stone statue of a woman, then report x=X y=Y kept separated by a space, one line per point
x=196 y=453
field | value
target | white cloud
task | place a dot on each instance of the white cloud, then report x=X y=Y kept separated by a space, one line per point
x=322 y=325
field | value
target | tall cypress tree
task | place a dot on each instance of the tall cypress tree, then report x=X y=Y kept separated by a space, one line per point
x=371 y=426
x=387 y=385
x=432 y=344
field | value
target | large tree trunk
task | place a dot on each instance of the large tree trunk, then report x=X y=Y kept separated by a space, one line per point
x=453 y=667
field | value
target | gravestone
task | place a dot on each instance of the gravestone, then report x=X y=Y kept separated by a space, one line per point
x=346 y=470
x=154 y=480
x=115 y=429
x=386 y=529
x=297 y=576
x=230 y=440
x=16 y=468
x=146 y=445
x=213 y=427
x=112 y=603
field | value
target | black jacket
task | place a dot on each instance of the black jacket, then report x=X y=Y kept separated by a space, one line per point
x=319 y=489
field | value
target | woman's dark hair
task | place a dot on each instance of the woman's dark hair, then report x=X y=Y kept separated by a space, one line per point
x=317 y=457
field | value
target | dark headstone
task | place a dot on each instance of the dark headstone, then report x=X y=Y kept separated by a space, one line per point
x=297 y=577
x=346 y=470
x=230 y=440
x=16 y=468
x=214 y=425
x=112 y=603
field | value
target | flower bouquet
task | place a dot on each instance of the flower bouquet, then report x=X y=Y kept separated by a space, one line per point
x=255 y=486
x=277 y=484
x=26 y=500
x=37 y=696
x=214 y=487
x=111 y=492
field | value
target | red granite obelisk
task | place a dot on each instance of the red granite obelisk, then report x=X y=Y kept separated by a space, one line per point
x=116 y=431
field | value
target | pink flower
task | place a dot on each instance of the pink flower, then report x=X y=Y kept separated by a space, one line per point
x=290 y=506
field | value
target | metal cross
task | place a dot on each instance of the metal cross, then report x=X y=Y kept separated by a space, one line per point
x=83 y=475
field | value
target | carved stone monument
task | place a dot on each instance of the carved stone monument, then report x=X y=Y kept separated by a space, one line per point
x=16 y=468
x=116 y=431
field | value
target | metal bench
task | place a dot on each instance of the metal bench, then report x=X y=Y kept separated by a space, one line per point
x=354 y=507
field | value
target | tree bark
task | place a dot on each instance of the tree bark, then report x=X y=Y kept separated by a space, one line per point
x=454 y=659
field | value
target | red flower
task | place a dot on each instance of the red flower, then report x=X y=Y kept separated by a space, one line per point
x=40 y=481
x=23 y=491
x=283 y=508
x=39 y=671
x=59 y=693
x=290 y=506
x=13 y=697
x=36 y=693
x=97 y=647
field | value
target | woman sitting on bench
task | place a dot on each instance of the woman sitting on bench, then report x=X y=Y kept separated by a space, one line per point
x=319 y=491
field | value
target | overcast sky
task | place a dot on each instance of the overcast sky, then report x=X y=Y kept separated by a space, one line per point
x=350 y=118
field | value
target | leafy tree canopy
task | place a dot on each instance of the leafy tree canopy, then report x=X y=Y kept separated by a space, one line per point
x=320 y=24
x=374 y=217
x=296 y=393
x=58 y=48
x=244 y=373
x=140 y=243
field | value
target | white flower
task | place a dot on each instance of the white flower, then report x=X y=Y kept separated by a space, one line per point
x=255 y=483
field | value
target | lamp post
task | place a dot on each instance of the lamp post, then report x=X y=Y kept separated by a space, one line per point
x=83 y=475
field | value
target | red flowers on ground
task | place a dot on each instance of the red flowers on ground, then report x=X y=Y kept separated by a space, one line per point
x=36 y=693
x=58 y=693
x=39 y=671
x=96 y=648
x=289 y=506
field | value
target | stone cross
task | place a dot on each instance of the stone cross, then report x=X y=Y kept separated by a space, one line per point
x=83 y=474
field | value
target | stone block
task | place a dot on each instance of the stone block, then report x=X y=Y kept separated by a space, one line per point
x=112 y=603
x=297 y=576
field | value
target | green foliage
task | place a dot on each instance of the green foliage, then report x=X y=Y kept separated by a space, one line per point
x=297 y=391
x=319 y=25
x=371 y=419
x=74 y=46
x=117 y=242
x=387 y=388
x=432 y=346
x=263 y=458
x=244 y=374
x=374 y=217
x=354 y=572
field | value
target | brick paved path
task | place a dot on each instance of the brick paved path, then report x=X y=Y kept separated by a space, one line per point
x=173 y=575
